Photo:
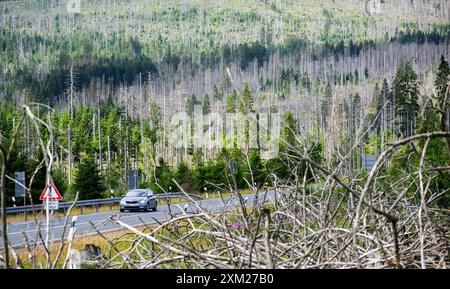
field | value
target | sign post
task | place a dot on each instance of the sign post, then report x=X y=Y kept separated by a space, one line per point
x=368 y=161
x=132 y=179
x=51 y=196
x=52 y=205
x=50 y=193
x=19 y=186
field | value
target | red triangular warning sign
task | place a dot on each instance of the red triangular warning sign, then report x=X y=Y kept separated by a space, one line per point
x=52 y=191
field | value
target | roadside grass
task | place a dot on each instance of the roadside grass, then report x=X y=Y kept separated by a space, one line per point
x=79 y=243
x=76 y=211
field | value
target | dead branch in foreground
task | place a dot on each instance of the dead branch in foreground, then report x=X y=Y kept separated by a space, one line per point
x=363 y=223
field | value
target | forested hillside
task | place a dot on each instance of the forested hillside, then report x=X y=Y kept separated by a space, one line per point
x=325 y=122
x=115 y=73
x=115 y=41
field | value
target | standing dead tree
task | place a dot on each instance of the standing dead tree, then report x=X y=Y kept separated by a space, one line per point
x=6 y=148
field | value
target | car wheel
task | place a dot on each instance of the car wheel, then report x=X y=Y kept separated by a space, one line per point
x=122 y=210
x=155 y=208
x=147 y=208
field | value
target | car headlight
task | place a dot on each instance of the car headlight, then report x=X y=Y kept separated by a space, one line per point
x=122 y=202
x=143 y=201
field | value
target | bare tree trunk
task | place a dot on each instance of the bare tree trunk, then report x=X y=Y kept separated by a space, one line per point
x=6 y=154
x=100 y=139
x=69 y=133
x=69 y=140
x=3 y=200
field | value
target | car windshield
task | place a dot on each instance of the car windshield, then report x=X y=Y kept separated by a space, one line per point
x=136 y=194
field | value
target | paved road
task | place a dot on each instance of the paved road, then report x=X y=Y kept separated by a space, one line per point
x=16 y=231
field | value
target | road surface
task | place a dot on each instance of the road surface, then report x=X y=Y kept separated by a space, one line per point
x=17 y=231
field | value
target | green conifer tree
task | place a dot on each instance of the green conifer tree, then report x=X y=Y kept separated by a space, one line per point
x=88 y=181
x=406 y=95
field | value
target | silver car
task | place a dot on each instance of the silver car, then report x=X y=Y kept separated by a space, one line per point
x=139 y=199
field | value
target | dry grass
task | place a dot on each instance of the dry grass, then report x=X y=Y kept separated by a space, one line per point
x=79 y=243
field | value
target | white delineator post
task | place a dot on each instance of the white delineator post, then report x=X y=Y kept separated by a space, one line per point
x=71 y=234
x=70 y=241
x=72 y=228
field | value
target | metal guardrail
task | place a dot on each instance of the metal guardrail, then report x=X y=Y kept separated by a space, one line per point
x=89 y=203
x=177 y=195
